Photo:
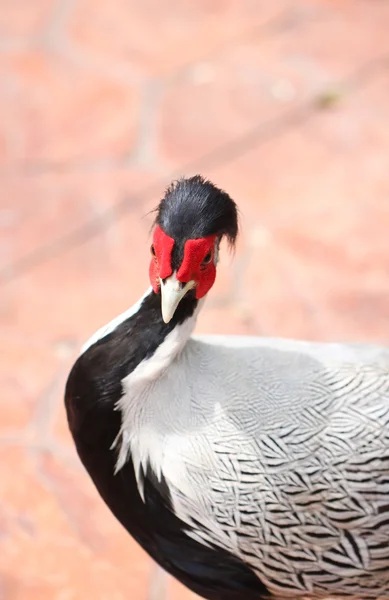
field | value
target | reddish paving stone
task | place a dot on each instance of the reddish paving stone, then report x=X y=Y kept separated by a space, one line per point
x=66 y=558
x=88 y=291
x=21 y=20
x=259 y=79
x=319 y=233
x=186 y=31
x=37 y=210
x=355 y=127
x=59 y=430
x=92 y=520
x=62 y=112
x=9 y=138
x=28 y=368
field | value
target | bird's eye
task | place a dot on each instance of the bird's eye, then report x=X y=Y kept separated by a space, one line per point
x=207 y=258
x=152 y=250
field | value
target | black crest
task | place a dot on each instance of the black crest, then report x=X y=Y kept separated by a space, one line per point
x=194 y=208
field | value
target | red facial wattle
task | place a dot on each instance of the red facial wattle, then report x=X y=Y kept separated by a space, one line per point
x=161 y=262
x=193 y=266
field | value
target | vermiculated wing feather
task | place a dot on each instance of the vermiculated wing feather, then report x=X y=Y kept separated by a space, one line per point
x=291 y=475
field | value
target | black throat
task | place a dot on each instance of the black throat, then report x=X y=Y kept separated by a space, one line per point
x=103 y=366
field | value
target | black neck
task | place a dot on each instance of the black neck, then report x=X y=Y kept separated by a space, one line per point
x=109 y=360
x=139 y=336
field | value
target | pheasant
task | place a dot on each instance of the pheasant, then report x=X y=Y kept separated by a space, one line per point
x=246 y=467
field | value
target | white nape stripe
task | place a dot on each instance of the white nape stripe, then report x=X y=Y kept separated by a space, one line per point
x=135 y=387
x=111 y=326
x=151 y=367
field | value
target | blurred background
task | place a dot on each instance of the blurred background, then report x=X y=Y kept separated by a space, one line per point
x=285 y=104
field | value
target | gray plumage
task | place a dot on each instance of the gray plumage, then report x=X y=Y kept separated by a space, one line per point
x=276 y=450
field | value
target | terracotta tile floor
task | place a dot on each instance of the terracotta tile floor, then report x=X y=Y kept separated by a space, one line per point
x=284 y=104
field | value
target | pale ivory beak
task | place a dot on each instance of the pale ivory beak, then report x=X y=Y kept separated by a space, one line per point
x=172 y=292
